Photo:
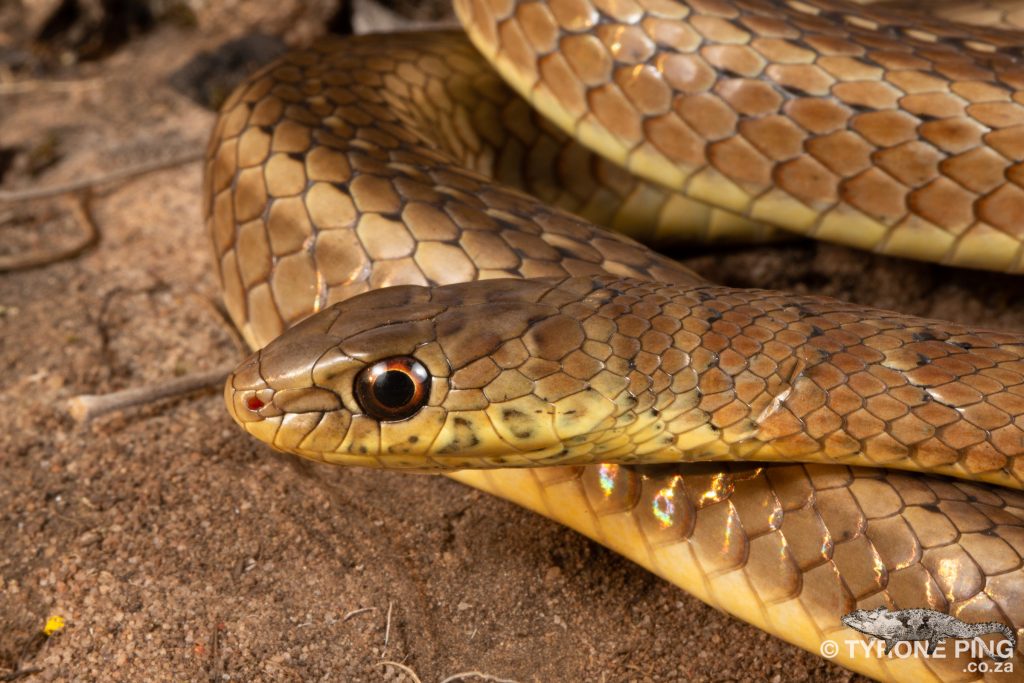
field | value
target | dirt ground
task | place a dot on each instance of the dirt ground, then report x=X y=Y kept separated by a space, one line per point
x=176 y=548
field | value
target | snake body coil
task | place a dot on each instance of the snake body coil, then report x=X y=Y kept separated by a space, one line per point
x=364 y=163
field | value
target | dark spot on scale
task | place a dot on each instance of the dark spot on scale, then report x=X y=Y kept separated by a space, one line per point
x=931 y=507
x=362 y=449
x=966 y=346
x=510 y=413
x=655 y=412
x=413 y=438
x=717 y=315
x=816 y=331
x=459 y=443
x=571 y=412
x=923 y=360
x=923 y=336
x=565 y=451
x=795 y=91
x=612 y=287
x=800 y=42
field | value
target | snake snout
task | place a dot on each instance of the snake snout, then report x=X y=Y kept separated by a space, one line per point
x=248 y=396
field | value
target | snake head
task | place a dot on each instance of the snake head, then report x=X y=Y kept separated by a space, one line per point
x=480 y=374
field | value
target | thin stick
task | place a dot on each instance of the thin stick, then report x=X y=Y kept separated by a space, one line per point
x=355 y=612
x=387 y=627
x=20 y=673
x=27 y=86
x=215 y=664
x=477 y=674
x=86 y=407
x=39 y=257
x=402 y=667
x=85 y=183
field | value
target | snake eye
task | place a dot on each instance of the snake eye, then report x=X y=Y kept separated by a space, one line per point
x=393 y=389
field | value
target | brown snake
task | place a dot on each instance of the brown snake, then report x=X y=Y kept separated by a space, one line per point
x=367 y=162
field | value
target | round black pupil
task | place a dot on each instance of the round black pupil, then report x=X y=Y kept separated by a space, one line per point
x=394 y=389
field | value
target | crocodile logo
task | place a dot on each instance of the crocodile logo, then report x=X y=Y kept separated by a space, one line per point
x=923 y=624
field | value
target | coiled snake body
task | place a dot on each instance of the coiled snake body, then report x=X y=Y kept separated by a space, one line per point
x=367 y=162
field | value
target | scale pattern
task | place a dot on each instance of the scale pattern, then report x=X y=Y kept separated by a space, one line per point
x=866 y=126
x=1001 y=14
x=603 y=370
x=360 y=164
x=789 y=547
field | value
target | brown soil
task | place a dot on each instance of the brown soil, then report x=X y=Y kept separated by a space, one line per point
x=179 y=549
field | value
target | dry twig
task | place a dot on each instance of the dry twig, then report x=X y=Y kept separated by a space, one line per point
x=402 y=667
x=39 y=257
x=36 y=85
x=387 y=627
x=477 y=674
x=20 y=673
x=103 y=179
x=86 y=407
x=354 y=612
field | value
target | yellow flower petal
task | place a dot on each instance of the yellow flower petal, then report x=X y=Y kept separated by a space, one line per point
x=54 y=623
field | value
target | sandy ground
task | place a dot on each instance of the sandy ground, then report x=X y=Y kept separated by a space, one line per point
x=178 y=549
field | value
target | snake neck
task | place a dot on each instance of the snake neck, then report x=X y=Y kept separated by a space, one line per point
x=707 y=372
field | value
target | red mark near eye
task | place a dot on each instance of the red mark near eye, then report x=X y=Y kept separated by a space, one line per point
x=254 y=403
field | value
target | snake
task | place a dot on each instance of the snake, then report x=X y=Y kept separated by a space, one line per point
x=406 y=229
